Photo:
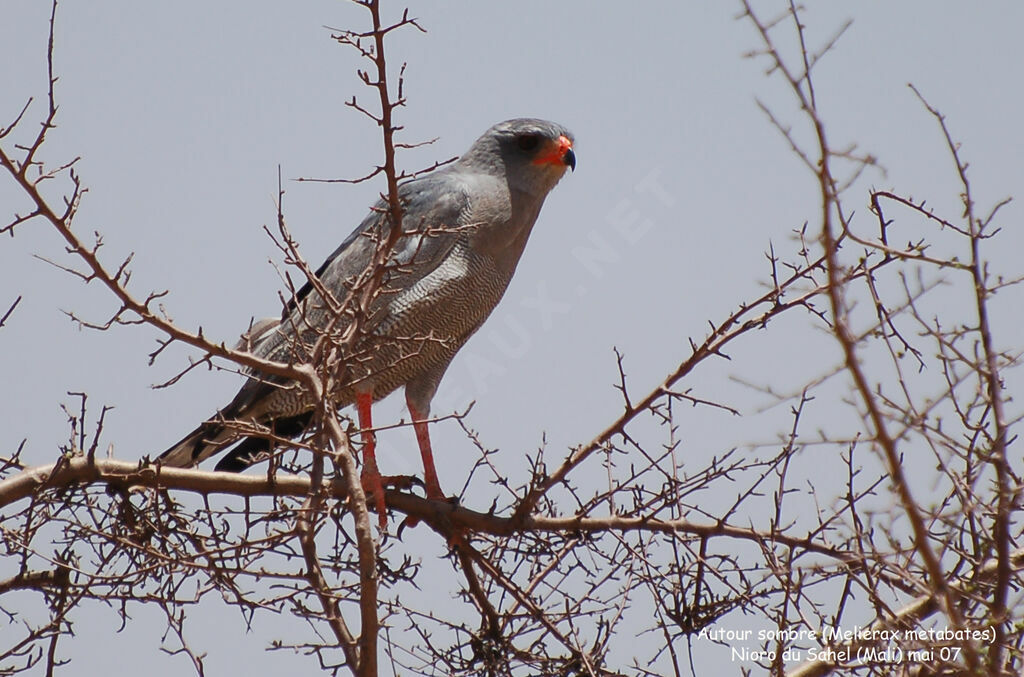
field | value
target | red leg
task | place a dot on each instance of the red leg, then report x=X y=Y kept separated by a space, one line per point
x=419 y=423
x=371 y=480
x=457 y=537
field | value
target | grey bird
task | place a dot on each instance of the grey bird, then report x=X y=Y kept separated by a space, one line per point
x=464 y=229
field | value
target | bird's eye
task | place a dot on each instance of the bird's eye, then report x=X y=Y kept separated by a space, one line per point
x=528 y=141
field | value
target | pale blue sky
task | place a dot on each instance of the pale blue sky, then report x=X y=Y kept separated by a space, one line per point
x=181 y=113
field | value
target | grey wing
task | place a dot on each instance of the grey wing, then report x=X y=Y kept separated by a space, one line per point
x=436 y=207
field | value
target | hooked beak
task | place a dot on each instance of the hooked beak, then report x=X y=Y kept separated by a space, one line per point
x=560 y=153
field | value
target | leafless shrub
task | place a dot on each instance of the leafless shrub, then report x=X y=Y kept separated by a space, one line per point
x=556 y=576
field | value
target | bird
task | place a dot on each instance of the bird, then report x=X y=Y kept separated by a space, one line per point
x=463 y=230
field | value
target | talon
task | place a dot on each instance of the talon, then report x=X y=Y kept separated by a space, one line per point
x=457 y=539
x=409 y=522
x=401 y=482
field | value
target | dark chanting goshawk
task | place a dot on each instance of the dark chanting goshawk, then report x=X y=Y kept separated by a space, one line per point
x=464 y=228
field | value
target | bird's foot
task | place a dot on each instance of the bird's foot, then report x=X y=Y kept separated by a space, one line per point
x=401 y=482
x=411 y=521
x=373 y=487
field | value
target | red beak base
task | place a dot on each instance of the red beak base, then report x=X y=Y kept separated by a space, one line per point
x=560 y=154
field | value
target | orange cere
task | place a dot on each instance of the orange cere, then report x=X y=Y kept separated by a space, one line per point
x=556 y=154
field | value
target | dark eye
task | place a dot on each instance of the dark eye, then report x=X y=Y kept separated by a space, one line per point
x=528 y=141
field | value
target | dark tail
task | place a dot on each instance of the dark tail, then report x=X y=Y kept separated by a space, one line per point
x=199 y=445
x=213 y=437
x=255 y=449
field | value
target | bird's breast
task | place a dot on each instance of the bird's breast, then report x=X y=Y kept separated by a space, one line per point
x=451 y=301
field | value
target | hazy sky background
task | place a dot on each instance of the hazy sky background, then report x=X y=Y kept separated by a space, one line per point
x=182 y=112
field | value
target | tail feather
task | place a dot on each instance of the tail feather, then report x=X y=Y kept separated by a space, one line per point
x=255 y=449
x=249 y=451
x=198 y=445
x=212 y=437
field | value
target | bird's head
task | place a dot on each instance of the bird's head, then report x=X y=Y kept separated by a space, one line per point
x=531 y=154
